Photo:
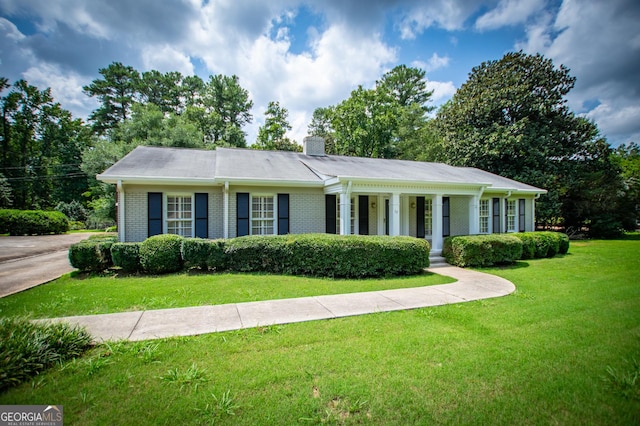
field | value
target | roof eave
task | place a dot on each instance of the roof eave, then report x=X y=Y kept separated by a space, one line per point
x=146 y=180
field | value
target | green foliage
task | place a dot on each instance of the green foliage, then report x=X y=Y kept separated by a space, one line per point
x=329 y=255
x=542 y=244
x=482 y=250
x=33 y=222
x=74 y=210
x=160 y=254
x=510 y=118
x=126 y=256
x=203 y=254
x=27 y=348
x=93 y=254
x=271 y=135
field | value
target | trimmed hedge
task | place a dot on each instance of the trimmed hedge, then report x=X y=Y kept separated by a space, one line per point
x=92 y=255
x=161 y=254
x=328 y=255
x=493 y=249
x=542 y=244
x=203 y=254
x=482 y=250
x=126 y=256
x=32 y=222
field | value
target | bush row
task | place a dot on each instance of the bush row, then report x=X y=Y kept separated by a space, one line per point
x=27 y=348
x=496 y=249
x=304 y=254
x=32 y=222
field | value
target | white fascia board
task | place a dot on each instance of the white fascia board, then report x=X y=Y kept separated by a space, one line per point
x=382 y=185
x=144 y=180
x=270 y=182
x=513 y=191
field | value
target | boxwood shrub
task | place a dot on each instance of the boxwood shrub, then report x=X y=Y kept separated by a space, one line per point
x=482 y=250
x=126 y=256
x=161 y=254
x=203 y=254
x=32 y=222
x=328 y=255
x=93 y=254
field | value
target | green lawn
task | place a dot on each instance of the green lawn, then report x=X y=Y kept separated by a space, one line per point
x=558 y=351
x=82 y=294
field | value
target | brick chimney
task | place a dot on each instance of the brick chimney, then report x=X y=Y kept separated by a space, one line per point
x=313 y=145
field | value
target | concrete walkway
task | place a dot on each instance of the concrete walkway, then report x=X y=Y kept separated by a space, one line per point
x=144 y=325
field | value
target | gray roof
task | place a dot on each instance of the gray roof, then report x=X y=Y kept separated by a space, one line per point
x=235 y=164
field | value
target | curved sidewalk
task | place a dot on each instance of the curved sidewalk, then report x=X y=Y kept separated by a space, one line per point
x=155 y=324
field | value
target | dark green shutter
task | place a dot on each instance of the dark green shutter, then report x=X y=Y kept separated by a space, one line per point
x=283 y=214
x=446 y=217
x=363 y=215
x=242 y=214
x=420 y=217
x=496 y=215
x=154 y=213
x=330 y=213
x=202 y=215
x=521 y=215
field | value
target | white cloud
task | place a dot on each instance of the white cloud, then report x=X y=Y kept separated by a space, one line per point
x=66 y=87
x=509 y=12
x=597 y=42
x=442 y=91
x=435 y=62
x=166 y=58
x=448 y=14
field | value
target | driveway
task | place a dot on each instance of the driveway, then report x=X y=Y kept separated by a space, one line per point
x=26 y=262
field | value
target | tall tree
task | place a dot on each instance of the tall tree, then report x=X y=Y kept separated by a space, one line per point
x=320 y=125
x=117 y=90
x=225 y=109
x=272 y=135
x=510 y=118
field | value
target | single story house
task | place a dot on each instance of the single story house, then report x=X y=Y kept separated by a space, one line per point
x=233 y=192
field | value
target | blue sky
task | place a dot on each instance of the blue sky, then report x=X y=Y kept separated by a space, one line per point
x=308 y=54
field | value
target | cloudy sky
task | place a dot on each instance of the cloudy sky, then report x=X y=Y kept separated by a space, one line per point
x=308 y=54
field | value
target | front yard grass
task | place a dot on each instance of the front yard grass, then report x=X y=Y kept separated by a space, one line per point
x=83 y=294
x=557 y=351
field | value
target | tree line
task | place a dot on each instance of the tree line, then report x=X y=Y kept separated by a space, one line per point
x=510 y=118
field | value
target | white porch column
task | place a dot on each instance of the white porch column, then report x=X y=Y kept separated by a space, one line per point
x=405 y=210
x=381 y=214
x=345 y=213
x=474 y=215
x=394 y=207
x=225 y=211
x=436 y=224
x=121 y=222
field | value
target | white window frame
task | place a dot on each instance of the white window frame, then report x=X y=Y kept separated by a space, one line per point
x=511 y=216
x=263 y=220
x=484 y=221
x=180 y=220
x=428 y=217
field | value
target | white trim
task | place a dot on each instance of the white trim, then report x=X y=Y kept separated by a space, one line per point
x=122 y=220
x=165 y=211
x=225 y=211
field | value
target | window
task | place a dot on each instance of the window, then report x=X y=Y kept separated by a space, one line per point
x=428 y=216
x=484 y=216
x=262 y=215
x=180 y=215
x=511 y=215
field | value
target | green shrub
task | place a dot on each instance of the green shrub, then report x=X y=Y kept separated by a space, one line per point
x=27 y=348
x=203 y=254
x=93 y=254
x=482 y=250
x=563 y=246
x=33 y=222
x=160 y=254
x=126 y=256
x=328 y=255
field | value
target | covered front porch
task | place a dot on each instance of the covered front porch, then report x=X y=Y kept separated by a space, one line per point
x=430 y=213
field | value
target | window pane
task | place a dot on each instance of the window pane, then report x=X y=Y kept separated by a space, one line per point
x=262 y=215
x=179 y=215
